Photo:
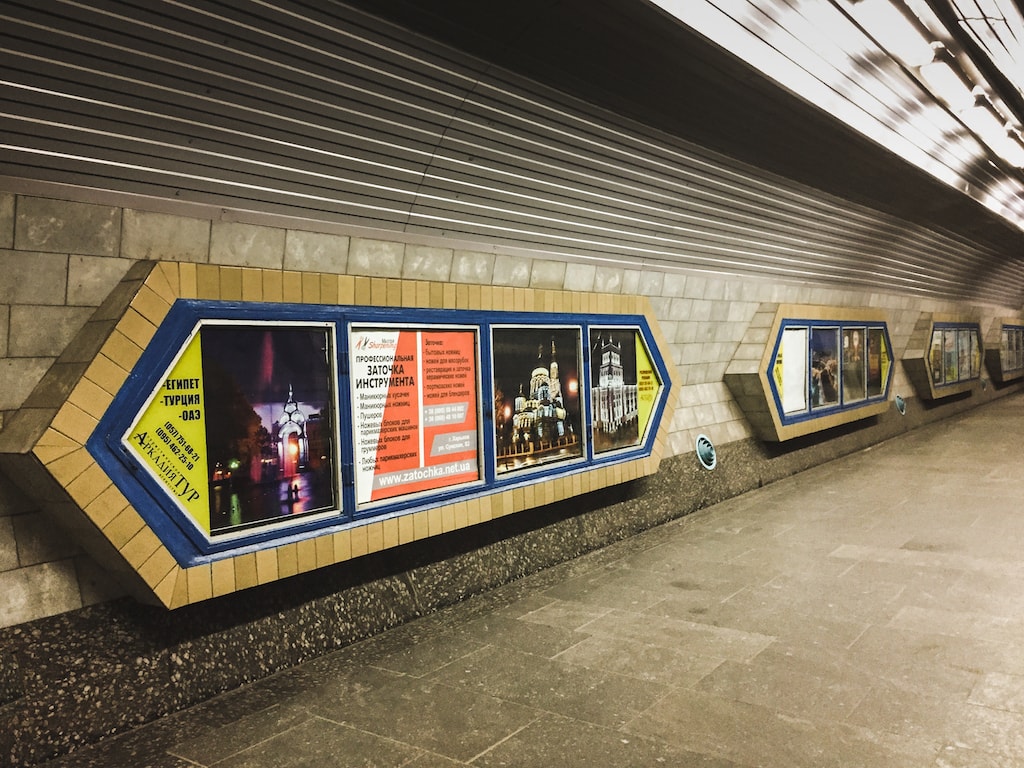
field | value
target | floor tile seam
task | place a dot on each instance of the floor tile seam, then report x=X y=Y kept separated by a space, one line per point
x=987 y=627
x=669 y=684
x=861 y=732
x=803 y=714
x=277 y=734
x=702 y=628
x=383 y=737
x=724 y=751
x=928 y=559
x=540 y=716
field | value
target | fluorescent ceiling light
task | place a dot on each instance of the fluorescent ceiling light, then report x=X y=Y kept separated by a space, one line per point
x=893 y=31
x=946 y=85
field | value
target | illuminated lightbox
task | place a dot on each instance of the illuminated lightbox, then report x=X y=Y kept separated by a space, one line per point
x=246 y=425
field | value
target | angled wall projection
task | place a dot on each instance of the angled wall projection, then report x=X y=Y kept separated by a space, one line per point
x=1004 y=350
x=802 y=369
x=944 y=355
x=215 y=428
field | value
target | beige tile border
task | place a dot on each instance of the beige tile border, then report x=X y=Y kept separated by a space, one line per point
x=62 y=448
x=748 y=379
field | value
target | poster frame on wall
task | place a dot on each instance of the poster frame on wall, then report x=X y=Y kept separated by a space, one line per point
x=640 y=381
x=412 y=429
x=191 y=411
x=190 y=544
x=835 y=330
x=956 y=351
x=563 y=413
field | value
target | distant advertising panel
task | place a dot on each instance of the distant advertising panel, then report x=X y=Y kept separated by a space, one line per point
x=828 y=365
x=415 y=405
x=955 y=353
x=242 y=429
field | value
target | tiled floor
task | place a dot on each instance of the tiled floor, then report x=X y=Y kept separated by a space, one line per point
x=869 y=612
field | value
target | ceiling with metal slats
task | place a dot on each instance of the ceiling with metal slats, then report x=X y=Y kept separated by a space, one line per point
x=322 y=111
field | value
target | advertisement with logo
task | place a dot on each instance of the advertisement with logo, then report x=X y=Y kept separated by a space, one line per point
x=241 y=432
x=415 y=403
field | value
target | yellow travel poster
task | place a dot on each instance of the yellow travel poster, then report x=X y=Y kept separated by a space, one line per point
x=648 y=387
x=169 y=437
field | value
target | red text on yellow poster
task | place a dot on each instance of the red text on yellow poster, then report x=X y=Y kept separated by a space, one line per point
x=414 y=398
x=648 y=386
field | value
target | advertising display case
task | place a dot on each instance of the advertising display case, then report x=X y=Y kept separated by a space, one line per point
x=218 y=428
x=806 y=368
x=944 y=356
x=1004 y=350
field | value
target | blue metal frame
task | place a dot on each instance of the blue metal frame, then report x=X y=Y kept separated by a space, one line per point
x=840 y=407
x=975 y=328
x=190 y=546
x=1002 y=352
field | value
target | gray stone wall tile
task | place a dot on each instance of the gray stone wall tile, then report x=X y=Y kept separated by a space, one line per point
x=91 y=279
x=474 y=267
x=8 y=545
x=651 y=282
x=44 y=331
x=547 y=274
x=6 y=220
x=680 y=309
x=5 y=325
x=423 y=262
x=719 y=312
x=316 y=252
x=511 y=271
x=701 y=310
x=59 y=226
x=580 y=277
x=95 y=583
x=164 y=236
x=375 y=258
x=247 y=245
x=714 y=289
x=33 y=278
x=609 y=280
x=674 y=285
x=631 y=281
x=12 y=500
x=40 y=541
x=37 y=591
x=661 y=306
x=18 y=377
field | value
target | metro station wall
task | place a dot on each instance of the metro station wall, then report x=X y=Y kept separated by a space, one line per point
x=60 y=257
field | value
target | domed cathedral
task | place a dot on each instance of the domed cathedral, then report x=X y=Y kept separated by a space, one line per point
x=539 y=422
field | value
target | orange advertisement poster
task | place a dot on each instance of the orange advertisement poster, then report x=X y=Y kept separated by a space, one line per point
x=414 y=394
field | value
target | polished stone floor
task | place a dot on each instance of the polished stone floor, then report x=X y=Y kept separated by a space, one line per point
x=869 y=612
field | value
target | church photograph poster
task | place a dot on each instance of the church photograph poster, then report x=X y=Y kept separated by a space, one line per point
x=415 y=409
x=537 y=417
x=270 y=422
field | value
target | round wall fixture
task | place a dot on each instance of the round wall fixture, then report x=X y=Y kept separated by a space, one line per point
x=706 y=452
x=901 y=405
